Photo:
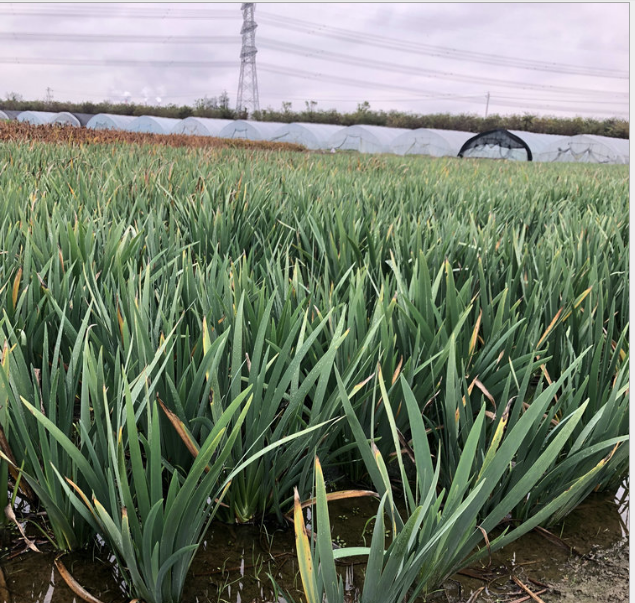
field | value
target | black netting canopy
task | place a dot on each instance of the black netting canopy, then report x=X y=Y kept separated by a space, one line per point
x=11 y=114
x=481 y=144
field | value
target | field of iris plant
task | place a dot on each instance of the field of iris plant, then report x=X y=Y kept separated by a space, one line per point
x=198 y=335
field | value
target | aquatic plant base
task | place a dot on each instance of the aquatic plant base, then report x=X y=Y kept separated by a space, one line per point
x=233 y=563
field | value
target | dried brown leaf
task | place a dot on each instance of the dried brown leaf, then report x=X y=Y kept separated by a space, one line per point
x=8 y=511
x=75 y=586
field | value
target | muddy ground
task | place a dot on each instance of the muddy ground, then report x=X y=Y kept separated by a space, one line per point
x=587 y=562
x=583 y=560
x=603 y=575
x=600 y=576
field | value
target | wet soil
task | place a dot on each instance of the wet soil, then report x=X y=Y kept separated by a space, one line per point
x=586 y=562
x=601 y=576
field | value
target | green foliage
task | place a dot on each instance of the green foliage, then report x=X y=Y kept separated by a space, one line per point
x=441 y=529
x=471 y=313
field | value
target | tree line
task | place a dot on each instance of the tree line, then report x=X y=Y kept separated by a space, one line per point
x=218 y=107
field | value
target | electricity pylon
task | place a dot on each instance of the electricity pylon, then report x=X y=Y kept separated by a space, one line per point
x=247 y=98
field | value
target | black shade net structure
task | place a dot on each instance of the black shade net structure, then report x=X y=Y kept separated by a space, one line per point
x=494 y=143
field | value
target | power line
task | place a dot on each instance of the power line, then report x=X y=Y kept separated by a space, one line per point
x=299 y=50
x=115 y=38
x=502 y=36
x=587 y=101
x=287 y=71
x=111 y=12
x=526 y=106
x=282 y=70
x=349 y=81
x=440 y=51
x=324 y=30
x=447 y=52
x=424 y=72
x=371 y=100
x=103 y=95
x=365 y=84
x=200 y=94
x=115 y=62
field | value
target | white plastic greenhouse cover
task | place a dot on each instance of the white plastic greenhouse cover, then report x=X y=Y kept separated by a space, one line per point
x=535 y=142
x=586 y=148
x=153 y=125
x=427 y=141
x=365 y=139
x=106 y=121
x=201 y=126
x=66 y=119
x=250 y=130
x=37 y=118
x=311 y=136
x=3 y=115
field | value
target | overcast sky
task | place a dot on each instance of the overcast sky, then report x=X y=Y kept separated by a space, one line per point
x=423 y=58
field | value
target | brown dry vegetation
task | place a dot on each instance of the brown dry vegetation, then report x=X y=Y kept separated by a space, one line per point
x=14 y=131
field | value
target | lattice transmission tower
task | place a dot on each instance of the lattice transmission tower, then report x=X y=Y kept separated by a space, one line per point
x=248 y=81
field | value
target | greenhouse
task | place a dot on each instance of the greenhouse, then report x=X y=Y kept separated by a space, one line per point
x=250 y=130
x=586 y=148
x=426 y=141
x=11 y=114
x=66 y=119
x=365 y=139
x=37 y=118
x=514 y=145
x=106 y=121
x=311 y=136
x=3 y=115
x=153 y=125
x=201 y=126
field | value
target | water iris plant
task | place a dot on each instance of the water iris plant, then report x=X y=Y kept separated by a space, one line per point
x=184 y=332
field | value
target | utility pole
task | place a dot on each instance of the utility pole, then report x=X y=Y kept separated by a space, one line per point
x=247 y=98
x=486 y=104
x=49 y=95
